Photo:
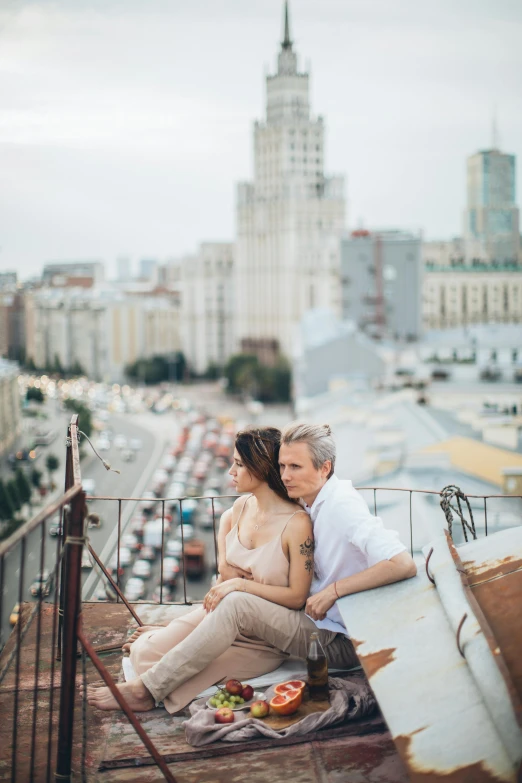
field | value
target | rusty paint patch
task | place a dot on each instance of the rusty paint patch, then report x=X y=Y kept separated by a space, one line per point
x=471 y=773
x=491 y=569
x=373 y=662
x=420 y=618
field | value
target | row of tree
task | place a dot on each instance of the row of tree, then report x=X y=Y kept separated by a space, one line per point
x=246 y=375
x=158 y=369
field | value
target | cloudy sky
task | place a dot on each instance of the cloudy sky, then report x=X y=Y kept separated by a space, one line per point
x=125 y=124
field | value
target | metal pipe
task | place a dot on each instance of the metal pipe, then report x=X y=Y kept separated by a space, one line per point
x=18 y=653
x=71 y=609
x=37 y=656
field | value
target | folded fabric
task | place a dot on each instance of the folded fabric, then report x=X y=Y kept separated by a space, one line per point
x=349 y=700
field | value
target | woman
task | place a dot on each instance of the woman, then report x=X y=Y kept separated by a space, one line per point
x=262 y=536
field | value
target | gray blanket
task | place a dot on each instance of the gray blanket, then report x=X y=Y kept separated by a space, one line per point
x=349 y=700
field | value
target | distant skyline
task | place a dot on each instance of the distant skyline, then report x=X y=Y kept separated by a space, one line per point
x=124 y=126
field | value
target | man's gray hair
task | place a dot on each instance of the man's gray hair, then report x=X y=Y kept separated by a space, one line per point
x=318 y=437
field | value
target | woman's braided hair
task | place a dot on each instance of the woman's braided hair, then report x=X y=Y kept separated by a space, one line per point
x=258 y=448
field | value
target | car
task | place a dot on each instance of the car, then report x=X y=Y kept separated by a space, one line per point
x=188 y=509
x=104 y=592
x=147 y=553
x=120 y=441
x=86 y=559
x=130 y=541
x=165 y=596
x=170 y=571
x=168 y=463
x=89 y=486
x=128 y=455
x=102 y=444
x=134 y=589
x=188 y=532
x=135 y=444
x=125 y=558
x=55 y=530
x=142 y=568
x=41 y=584
x=174 y=548
x=148 y=503
x=15 y=613
x=44 y=438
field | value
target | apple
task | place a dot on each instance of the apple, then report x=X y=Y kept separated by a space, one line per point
x=234 y=687
x=259 y=709
x=247 y=693
x=224 y=715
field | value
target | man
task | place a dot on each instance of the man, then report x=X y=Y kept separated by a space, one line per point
x=353 y=552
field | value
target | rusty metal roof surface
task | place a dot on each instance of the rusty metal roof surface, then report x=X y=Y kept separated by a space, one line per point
x=363 y=753
x=427 y=692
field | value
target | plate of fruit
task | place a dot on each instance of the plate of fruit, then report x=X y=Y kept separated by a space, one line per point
x=234 y=696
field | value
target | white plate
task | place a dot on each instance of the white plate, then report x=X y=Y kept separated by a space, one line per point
x=258 y=696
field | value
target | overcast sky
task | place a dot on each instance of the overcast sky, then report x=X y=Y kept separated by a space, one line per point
x=125 y=124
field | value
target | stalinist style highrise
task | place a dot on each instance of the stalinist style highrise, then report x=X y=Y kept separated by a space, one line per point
x=289 y=218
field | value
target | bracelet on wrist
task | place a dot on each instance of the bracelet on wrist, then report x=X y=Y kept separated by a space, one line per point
x=335 y=589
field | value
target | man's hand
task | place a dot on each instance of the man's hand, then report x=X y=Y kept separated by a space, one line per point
x=318 y=604
x=216 y=594
x=228 y=571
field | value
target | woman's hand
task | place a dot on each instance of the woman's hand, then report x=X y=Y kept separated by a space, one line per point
x=216 y=594
x=228 y=572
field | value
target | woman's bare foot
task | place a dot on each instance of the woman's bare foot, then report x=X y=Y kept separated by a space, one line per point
x=137 y=633
x=136 y=695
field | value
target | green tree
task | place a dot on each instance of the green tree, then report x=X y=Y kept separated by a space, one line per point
x=6 y=507
x=36 y=478
x=52 y=463
x=34 y=393
x=76 y=368
x=29 y=364
x=22 y=485
x=84 y=415
x=56 y=366
x=238 y=371
x=14 y=497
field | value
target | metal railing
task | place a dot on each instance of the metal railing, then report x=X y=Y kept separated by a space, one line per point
x=49 y=661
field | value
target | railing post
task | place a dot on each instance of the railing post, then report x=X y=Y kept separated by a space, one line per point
x=71 y=603
x=69 y=482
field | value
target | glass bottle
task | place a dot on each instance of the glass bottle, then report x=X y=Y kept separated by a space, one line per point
x=317 y=667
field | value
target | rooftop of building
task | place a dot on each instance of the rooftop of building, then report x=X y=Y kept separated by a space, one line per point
x=476 y=267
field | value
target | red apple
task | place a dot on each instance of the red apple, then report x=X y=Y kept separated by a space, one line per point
x=224 y=715
x=259 y=709
x=234 y=687
x=247 y=693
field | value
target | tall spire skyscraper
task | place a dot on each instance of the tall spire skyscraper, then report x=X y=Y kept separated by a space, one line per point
x=289 y=218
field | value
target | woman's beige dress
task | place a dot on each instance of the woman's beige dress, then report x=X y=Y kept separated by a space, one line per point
x=247 y=657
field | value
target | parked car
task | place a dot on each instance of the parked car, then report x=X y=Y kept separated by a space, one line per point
x=147 y=553
x=128 y=455
x=166 y=595
x=89 y=486
x=148 y=503
x=194 y=559
x=94 y=520
x=188 y=532
x=174 y=548
x=102 y=444
x=130 y=541
x=120 y=441
x=55 y=530
x=170 y=571
x=134 y=589
x=142 y=568
x=187 y=512
x=125 y=558
x=41 y=584
x=135 y=444
x=104 y=592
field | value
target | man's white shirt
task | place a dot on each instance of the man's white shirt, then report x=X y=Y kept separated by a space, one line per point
x=348 y=539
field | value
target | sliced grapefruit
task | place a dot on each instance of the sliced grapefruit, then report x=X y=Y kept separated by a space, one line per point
x=287 y=703
x=290 y=685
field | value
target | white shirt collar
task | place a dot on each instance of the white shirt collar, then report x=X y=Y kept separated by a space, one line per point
x=324 y=493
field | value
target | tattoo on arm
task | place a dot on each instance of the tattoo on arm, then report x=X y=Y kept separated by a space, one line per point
x=307 y=549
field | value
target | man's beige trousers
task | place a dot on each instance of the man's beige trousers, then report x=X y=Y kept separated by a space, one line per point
x=242 y=615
